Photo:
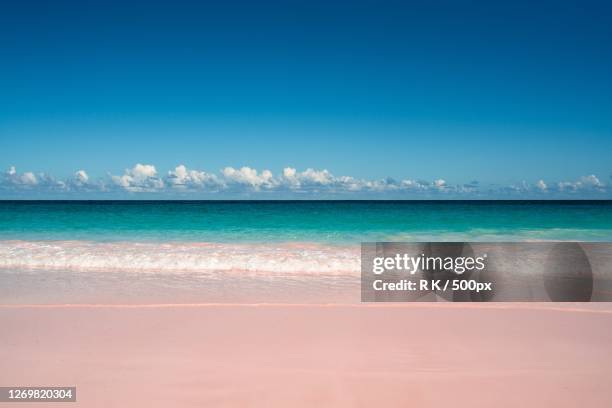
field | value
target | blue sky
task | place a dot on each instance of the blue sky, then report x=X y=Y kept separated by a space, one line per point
x=507 y=95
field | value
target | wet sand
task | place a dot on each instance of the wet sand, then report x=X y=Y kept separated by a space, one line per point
x=411 y=355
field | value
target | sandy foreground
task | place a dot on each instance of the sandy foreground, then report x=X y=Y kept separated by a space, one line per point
x=412 y=355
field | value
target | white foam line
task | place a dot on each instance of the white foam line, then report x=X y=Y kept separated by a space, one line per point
x=83 y=256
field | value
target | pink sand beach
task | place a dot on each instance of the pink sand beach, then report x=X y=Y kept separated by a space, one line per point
x=409 y=355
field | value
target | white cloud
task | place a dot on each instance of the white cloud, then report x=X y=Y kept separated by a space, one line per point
x=81 y=182
x=140 y=178
x=317 y=177
x=28 y=178
x=28 y=181
x=289 y=172
x=591 y=181
x=144 y=178
x=81 y=177
x=440 y=184
x=585 y=183
x=541 y=185
x=184 y=179
x=250 y=177
x=309 y=178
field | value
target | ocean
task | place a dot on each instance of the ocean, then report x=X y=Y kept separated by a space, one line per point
x=154 y=251
x=329 y=222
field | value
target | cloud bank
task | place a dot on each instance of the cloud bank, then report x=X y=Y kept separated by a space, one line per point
x=246 y=182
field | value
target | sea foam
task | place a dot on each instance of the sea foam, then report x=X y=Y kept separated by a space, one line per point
x=287 y=258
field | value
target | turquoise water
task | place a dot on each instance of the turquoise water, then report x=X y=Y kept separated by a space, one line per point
x=305 y=221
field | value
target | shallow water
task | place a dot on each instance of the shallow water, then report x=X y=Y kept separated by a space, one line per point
x=331 y=222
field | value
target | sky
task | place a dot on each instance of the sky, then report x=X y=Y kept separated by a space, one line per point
x=308 y=99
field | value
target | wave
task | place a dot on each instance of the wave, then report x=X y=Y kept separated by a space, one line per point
x=494 y=235
x=287 y=258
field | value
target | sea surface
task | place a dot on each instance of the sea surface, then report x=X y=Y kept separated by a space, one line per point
x=329 y=222
x=208 y=251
